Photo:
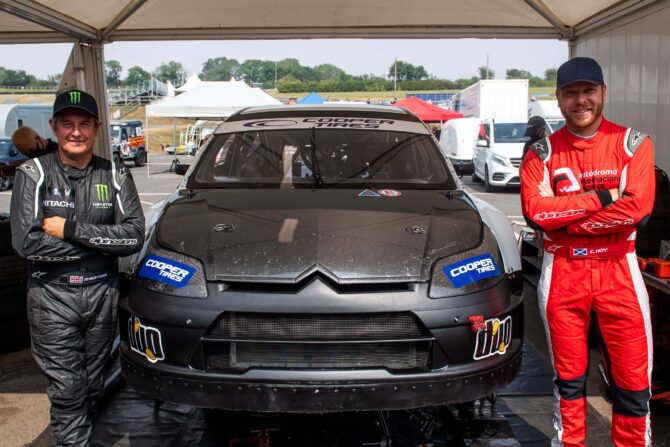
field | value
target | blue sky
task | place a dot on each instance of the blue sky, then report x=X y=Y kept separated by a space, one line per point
x=448 y=59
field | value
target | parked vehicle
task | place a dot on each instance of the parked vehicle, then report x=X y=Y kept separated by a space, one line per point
x=498 y=154
x=549 y=110
x=498 y=99
x=331 y=262
x=10 y=159
x=37 y=116
x=457 y=140
x=128 y=143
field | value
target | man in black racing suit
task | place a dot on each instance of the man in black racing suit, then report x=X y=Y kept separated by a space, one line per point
x=72 y=215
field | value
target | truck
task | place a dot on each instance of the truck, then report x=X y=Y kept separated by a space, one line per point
x=37 y=116
x=127 y=139
x=502 y=109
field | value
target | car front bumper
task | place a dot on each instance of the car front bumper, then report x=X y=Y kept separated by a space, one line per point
x=455 y=376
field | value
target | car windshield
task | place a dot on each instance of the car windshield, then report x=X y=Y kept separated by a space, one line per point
x=555 y=125
x=6 y=149
x=323 y=158
x=115 y=132
x=510 y=132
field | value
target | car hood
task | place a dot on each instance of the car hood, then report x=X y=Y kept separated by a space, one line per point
x=286 y=235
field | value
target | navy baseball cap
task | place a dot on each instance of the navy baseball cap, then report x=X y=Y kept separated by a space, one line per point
x=76 y=99
x=579 y=69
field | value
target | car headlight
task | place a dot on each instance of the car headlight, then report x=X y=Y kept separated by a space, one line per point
x=468 y=271
x=172 y=273
x=500 y=160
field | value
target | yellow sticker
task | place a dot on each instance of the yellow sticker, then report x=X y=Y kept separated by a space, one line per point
x=136 y=325
x=496 y=326
x=502 y=347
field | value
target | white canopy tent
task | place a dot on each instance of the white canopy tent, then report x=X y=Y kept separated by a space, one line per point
x=92 y=23
x=191 y=82
x=211 y=100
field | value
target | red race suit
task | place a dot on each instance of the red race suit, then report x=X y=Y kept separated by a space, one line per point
x=590 y=265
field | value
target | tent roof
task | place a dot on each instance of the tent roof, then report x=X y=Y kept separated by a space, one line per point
x=35 y=21
x=211 y=100
x=191 y=82
x=426 y=111
x=312 y=98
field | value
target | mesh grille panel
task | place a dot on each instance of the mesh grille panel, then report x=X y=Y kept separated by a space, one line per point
x=314 y=327
x=516 y=162
x=393 y=356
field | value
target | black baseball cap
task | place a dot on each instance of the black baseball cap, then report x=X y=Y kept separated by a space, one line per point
x=76 y=99
x=534 y=125
x=579 y=69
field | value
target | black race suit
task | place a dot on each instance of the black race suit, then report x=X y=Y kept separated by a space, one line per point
x=73 y=283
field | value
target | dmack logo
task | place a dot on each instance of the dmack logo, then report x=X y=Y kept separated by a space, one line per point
x=494 y=338
x=145 y=340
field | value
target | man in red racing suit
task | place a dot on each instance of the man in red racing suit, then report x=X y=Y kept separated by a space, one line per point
x=587 y=187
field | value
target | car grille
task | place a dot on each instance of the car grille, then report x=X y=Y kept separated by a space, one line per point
x=516 y=162
x=395 y=341
x=498 y=177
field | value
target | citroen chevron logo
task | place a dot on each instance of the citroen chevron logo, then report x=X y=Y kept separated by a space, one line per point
x=75 y=97
x=102 y=191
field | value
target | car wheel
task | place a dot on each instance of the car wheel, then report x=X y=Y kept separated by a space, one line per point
x=5 y=183
x=487 y=183
x=140 y=158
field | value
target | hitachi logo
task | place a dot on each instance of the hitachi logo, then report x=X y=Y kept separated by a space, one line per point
x=58 y=204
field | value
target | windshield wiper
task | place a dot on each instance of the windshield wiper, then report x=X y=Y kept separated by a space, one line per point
x=316 y=171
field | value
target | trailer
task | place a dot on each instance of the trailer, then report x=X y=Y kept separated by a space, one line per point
x=37 y=116
x=498 y=99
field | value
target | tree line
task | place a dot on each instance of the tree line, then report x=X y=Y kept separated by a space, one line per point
x=287 y=75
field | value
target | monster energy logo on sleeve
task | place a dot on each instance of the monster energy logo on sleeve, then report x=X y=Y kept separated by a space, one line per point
x=75 y=97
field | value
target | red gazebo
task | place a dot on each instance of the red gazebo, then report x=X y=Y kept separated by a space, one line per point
x=426 y=111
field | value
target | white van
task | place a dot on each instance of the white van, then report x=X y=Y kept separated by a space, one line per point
x=457 y=141
x=549 y=110
x=498 y=154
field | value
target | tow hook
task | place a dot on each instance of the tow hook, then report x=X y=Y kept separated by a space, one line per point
x=477 y=323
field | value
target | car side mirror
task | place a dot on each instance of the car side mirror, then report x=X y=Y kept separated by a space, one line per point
x=482 y=142
x=181 y=169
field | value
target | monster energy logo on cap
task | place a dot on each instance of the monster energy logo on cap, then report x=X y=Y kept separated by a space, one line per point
x=75 y=96
x=102 y=191
x=76 y=99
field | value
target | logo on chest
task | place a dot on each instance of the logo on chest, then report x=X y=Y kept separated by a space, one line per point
x=102 y=194
x=565 y=181
x=57 y=197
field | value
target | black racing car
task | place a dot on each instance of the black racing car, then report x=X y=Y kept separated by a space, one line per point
x=319 y=259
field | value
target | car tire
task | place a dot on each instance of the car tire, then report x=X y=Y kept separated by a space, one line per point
x=15 y=336
x=140 y=158
x=487 y=183
x=5 y=183
x=13 y=271
x=475 y=178
x=5 y=237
